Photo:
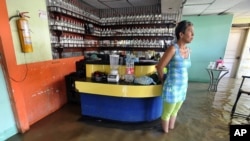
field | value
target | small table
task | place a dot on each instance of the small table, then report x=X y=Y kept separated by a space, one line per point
x=215 y=77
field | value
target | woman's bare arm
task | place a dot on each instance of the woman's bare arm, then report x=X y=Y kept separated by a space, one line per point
x=168 y=54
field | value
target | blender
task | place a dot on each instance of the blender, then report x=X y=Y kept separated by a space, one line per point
x=114 y=65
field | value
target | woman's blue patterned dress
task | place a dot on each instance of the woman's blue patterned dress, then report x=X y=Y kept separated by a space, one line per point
x=176 y=82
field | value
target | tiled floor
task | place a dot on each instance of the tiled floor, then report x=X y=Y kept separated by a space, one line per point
x=205 y=116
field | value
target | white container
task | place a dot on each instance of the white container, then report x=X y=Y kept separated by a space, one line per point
x=211 y=65
x=114 y=61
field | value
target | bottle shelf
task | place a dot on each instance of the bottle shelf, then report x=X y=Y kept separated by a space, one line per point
x=76 y=30
x=157 y=23
x=130 y=48
x=67 y=29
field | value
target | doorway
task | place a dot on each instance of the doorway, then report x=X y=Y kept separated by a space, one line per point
x=233 y=51
x=7 y=120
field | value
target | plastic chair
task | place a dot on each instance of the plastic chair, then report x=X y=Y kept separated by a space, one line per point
x=241 y=91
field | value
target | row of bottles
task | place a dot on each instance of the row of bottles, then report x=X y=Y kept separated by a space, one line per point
x=78 y=41
x=66 y=24
x=137 y=31
x=78 y=27
x=139 y=19
x=55 y=54
x=137 y=43
x=65 y=41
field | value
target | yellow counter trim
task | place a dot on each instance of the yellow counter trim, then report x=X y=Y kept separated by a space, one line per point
x=132 y=91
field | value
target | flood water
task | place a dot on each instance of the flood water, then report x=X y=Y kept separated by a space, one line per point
x=204 y=116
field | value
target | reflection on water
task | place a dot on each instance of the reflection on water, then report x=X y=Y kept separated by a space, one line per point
x=204 y=116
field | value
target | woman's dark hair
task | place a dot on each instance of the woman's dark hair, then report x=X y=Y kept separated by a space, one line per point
x=181 y=27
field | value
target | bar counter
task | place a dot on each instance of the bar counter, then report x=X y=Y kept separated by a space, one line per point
x=121 y=101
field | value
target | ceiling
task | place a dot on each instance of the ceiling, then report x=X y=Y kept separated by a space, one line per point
x=239 y=8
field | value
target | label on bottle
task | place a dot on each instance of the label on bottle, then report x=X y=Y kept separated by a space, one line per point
x=129 y=70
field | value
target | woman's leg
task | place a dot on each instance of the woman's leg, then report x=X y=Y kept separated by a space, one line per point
x=167 y=110
x=174 y=115
x=164 y=124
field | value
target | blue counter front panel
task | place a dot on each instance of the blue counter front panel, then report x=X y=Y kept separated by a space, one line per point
x=120 y=108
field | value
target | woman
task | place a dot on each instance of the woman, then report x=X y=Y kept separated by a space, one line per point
x=177 y=60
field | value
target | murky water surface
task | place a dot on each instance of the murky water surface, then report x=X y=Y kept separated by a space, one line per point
x=205 y=116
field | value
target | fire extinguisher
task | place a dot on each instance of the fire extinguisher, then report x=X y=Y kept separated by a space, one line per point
x=24 y=33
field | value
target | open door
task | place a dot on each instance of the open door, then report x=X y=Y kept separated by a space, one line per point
x=234 y=50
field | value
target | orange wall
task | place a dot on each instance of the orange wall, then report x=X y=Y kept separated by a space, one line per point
x=40 y=92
